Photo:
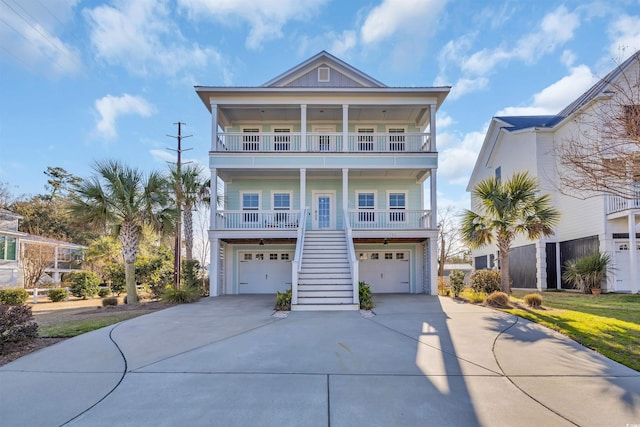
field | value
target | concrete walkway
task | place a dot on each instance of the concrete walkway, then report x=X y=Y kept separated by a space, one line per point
x=226 y=361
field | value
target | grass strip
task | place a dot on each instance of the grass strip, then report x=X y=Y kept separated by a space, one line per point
x=71 y=328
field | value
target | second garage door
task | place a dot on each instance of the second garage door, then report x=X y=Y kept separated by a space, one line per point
x=264 y=272
x=385 y=271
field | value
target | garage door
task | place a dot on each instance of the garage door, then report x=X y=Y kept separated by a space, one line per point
x=264 y=272
x=622 y=266
x=385 y=271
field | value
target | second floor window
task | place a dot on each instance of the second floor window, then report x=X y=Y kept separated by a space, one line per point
x=397 y=202
x=251 y=202
x=7 y=248
x=366 y=202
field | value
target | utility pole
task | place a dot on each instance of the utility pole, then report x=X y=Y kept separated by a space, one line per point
x=177 y=250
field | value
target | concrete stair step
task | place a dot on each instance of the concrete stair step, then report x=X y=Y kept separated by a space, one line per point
x=347 y=288
x=327 y=300
x=325 y=307
x=328 y=282
x=324 y=294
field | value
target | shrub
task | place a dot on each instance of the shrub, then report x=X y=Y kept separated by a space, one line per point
x=456 y=279
x=16 y=323
x=497 y=299
x=476 y=297
x=443 y=287
x=283 y=301
x=486 y=281
x=58 y=294
x=104 y=292
x=366 y=297
x=109 y=301
x=13 y=296
x=115 y=274
x=84 y=284
x=184 y=295
x=588 y=272
x=533 y=300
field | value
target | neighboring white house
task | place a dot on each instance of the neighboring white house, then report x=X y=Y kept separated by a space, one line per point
x=67 y=256
x=605 y=223
x=324 y=172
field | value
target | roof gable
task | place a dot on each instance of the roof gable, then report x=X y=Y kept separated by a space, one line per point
x=600 y=87
x=307 y=73
x=515 y=123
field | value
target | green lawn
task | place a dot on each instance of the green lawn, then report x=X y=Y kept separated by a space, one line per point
x=608 y=323
x=72 y=328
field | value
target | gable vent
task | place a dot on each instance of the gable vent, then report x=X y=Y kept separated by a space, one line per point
x=323 y=74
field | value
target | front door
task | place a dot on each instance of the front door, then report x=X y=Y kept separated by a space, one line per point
x=323 y=211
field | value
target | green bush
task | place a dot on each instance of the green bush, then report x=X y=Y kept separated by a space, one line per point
x=109 y=301
x=486 y=281
x=84 y=284
x=104 y=292
x=184 y=295
x=114 y=273
x=58 y=294
x=16 y=324
x=456 y=281
x=13 y=296
x=283 y=301
x=366 y=297
x=497 y=299
x=533 y=300
x=477 y=297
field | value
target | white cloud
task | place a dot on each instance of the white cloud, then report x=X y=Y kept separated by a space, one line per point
x=556 y=29
x=443 y=120
x=393 y=16
x=556 y=96
x=30 y=35
x=457 y=161
x=111 y=107
x=625 y=35
x=265 y=18
x=343 y=43
x=467 y=85
x=141 y=36
x=568 y=58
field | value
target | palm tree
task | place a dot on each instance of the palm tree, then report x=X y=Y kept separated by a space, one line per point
x=503 y=211
x=122 y=199
x=191 y=190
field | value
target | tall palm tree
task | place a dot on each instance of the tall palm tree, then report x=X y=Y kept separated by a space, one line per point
x=191 y=190
x=122 y=199
x=505 y=210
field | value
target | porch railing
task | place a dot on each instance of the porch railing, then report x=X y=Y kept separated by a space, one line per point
x=619 y=204
x=402 y=219
x=257 y=220
x=275 y=142
x=296 y=265
x=353 y=260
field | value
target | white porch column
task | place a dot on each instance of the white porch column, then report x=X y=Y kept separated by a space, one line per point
x=303 y=191
x=345 y=127
x=432 y=127
x=56 y=274
x=214 y=126
x=633 y=253
x=214 y=268
x=434 y=196
x=345 y=189
x=433 y=265
x=303 y=128
x=213 y=195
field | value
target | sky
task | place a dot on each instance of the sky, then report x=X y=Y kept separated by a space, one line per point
x=85 y=81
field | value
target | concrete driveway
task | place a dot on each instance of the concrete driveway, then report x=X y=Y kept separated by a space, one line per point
x=227 y=361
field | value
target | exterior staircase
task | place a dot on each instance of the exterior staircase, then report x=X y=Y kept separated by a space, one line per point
x=324 y=280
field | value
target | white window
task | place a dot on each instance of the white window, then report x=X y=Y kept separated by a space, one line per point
x=259 y=257
x=365 y=139
x=273 y=257
x=281 y=201
x=7 y=248
x=388 y=255
x=366 y=202
x=397 y=202
x=284 y=257
x=251 y=142
x=375 y=256
x=248 y=257
x=324 y=74
x=396 y=139
x=250 y=202
x=282 y=139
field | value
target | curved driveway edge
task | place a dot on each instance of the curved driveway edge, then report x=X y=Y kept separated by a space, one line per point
x=227 y=361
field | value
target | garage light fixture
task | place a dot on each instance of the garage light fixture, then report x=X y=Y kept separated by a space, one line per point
x=385 y=243
x=261 y=242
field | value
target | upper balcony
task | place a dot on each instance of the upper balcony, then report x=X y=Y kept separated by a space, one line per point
x=617 y=206
x=273 y=142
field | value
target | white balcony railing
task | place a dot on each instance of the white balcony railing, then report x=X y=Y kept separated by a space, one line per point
x=400 y=219
x=619 y=204
x=257 y=220
x=275 y=142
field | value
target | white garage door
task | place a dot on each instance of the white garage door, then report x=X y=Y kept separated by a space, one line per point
x=385 y=271
x=264 y=272
x=622 y=270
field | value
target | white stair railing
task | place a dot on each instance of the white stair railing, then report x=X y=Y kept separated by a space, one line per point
x=353 y=261
x=296 y=265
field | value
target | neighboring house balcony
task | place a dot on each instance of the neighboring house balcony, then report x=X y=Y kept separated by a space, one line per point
x=617 y=206
x=272 y=142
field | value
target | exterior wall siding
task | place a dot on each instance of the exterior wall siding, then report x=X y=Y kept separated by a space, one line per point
x=336 y=79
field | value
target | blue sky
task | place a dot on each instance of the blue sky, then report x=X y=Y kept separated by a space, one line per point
x=89 y=80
